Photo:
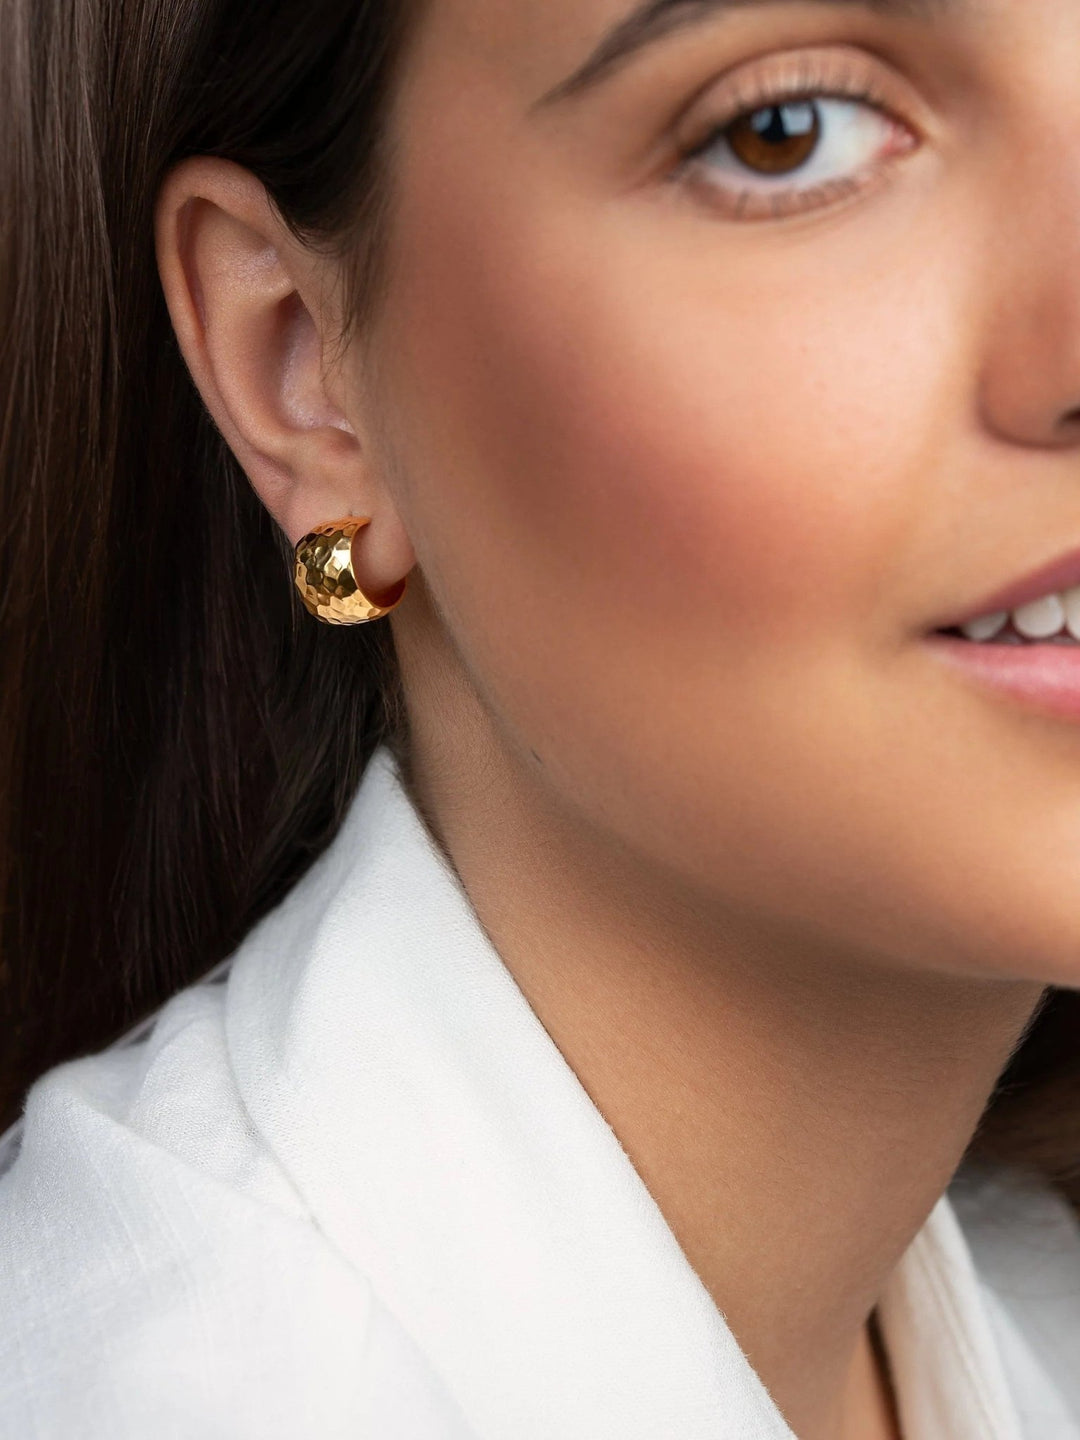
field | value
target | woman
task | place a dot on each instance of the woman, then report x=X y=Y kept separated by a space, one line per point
x=522 y=521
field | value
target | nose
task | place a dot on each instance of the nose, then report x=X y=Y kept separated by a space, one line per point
x=1030 y=380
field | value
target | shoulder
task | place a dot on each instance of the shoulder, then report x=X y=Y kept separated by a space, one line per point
x=160 y=1273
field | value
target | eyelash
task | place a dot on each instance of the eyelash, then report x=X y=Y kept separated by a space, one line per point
x=813 y=81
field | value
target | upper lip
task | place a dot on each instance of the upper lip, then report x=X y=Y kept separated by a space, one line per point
x=1055 y=576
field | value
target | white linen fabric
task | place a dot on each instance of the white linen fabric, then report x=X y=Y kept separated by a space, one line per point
x=349 y=1187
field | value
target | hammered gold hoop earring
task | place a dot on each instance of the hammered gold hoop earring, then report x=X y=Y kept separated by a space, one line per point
x=325 y=576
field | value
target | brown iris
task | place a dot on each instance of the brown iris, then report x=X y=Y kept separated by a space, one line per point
x=775 y=138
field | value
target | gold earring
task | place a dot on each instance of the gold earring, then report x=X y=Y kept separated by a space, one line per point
x=325 y=576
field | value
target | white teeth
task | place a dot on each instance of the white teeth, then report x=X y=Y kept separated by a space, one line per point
x=1043 y=619
x=987 y=626
x=1039 y=619
x=1072 y=611
x=1050 y=617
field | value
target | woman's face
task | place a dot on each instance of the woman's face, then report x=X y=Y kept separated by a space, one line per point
x=699 y=441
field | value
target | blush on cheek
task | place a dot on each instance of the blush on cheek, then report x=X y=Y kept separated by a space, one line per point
x=651 y=476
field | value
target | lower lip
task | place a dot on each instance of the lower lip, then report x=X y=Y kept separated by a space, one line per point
x=1045 y=678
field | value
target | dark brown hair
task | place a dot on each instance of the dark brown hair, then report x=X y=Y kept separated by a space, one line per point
x=178 y=740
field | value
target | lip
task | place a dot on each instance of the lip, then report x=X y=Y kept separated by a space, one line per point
x=1039 y=676
x=1057 y=575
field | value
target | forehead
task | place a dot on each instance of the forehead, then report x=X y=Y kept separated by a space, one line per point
x=528 y=44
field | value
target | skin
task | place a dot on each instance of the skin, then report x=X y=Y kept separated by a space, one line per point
x=679 y=493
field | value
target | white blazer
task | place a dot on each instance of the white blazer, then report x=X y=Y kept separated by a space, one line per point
x=348 y=1187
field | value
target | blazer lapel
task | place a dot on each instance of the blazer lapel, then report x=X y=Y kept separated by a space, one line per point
x=445 y=1146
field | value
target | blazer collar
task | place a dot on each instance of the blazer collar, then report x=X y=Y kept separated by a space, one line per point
x=448 y=1150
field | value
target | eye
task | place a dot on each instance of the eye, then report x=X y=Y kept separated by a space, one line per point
x=792 y=147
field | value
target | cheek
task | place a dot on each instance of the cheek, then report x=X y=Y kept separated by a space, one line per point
x=661 y=486
x=690 y=458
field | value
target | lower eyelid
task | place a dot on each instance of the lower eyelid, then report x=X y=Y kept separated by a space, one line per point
x=749 y=205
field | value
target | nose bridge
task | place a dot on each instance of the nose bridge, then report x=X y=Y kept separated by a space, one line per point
x=1031 y=268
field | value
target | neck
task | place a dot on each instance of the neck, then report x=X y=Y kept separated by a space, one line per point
x=795 y=1114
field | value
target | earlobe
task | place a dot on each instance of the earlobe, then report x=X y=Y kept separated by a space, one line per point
x=248 y=304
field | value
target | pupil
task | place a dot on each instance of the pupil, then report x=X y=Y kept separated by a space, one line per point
x=775 y=122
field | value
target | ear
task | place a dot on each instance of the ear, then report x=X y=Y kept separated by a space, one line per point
x=255 y=318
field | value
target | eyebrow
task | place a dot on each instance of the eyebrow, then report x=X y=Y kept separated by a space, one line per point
x=656 y=19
